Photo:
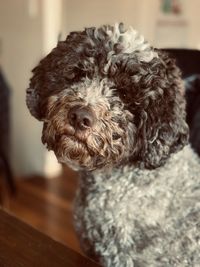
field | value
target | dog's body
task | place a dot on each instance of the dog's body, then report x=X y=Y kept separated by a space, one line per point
x=113 y=109
x=149 y=218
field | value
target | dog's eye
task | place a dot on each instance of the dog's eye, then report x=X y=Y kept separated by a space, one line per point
x=115 y=136
x=75 y=74
x=123 y=94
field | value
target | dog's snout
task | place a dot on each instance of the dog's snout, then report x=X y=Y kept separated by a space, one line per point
x=81 y=117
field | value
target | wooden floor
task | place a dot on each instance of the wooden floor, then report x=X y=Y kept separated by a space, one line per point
x=46 y=204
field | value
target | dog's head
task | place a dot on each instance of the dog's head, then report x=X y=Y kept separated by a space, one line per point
x=105 y=97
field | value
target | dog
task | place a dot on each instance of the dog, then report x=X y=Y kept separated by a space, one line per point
x=113 y=108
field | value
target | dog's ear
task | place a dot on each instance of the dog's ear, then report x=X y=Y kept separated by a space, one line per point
x=55 y=72
x=161 y=125
x=37 y=92
x=32 y=102
x=45 y=82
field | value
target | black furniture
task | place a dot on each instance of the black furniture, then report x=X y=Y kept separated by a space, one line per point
x=188 y=61
x=5 y=169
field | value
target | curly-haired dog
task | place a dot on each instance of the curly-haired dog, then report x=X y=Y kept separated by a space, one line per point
x=113 y=109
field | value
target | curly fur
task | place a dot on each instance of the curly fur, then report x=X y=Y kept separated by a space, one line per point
x=137 y=203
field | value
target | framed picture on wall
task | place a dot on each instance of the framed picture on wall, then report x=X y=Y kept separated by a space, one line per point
x=172 y=24
x=174 y=7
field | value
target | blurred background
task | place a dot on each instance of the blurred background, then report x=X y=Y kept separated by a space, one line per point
x=29 y=29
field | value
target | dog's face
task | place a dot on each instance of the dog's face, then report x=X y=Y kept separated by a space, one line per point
x=106 y=97
x=88 y=126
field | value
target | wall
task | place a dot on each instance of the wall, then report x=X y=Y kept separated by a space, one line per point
x=21 y=36
x=141 y=14
x=79 y=14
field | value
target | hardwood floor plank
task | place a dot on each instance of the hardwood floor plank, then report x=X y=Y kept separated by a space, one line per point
x=47 y=204
x=24 y=246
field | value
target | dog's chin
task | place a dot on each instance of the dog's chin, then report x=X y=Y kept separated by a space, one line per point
x=74 y=153
x=80 y=155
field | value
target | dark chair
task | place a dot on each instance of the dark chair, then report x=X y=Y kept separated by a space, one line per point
x=188 y=61
x=5 y=168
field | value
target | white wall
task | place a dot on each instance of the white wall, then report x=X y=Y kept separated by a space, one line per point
x=138 y=13
x=192 y=9
x=141 y=14
x=21 y=37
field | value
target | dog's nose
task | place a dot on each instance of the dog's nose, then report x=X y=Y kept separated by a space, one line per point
x=81 y=117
